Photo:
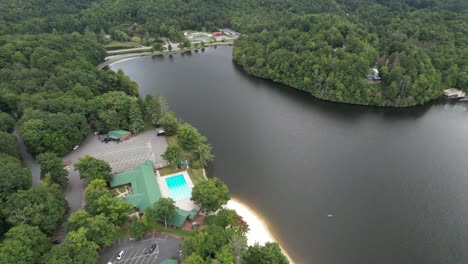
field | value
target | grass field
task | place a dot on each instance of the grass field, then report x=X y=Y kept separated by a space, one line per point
x=167 y=170
x=196 y=175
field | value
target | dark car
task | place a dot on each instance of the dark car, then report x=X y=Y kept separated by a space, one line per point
x=152 y=248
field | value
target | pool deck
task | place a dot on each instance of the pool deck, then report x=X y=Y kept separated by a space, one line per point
x=185 y=203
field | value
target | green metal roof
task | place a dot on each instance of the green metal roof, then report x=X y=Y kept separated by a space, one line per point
x=178 y=219
x=117 y=134
x=192 y=214
x=182 y=215
x=145 y=188
x=170 y=261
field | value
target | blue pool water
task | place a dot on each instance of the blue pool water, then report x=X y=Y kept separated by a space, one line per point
x=178 y=187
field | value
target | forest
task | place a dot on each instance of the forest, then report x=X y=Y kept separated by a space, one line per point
x=53 y=95
x=419 y=49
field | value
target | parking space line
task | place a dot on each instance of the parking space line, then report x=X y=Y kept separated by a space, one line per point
x=133 y=254
x=140 y=254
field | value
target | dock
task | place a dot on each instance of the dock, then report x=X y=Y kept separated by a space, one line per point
x=454 y=93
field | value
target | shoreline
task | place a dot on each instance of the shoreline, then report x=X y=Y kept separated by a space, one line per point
x=258 y=230
x=131 y=55
x=257 y=227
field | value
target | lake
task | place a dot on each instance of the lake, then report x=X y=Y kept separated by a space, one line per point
x=335 y=183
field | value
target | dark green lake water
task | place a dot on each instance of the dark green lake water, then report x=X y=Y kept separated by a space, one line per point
x=395 y=180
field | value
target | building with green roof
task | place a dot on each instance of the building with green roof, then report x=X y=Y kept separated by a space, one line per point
x=146 y=192
x=119 y=134
x=182 y=215
x=145 y=188
x=170 y=261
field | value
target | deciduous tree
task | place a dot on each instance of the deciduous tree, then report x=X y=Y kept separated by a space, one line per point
x=169 y=122
x=165 y=208
x=24 y=244
x=269 y=253
x=174 y=154
x=211 y=194
x=91 y=168
x=52 y=166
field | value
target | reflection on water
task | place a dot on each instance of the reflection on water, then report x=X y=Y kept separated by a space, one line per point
x=394 y=179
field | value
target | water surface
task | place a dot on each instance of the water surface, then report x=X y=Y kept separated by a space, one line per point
x=336 y=183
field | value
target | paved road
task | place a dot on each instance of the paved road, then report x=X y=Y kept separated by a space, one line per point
x=29 y=159
x=110 y=52
x=136 y=251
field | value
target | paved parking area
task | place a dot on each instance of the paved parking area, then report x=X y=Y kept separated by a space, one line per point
x=121 y=156
x=136 y=251
x=126 y=155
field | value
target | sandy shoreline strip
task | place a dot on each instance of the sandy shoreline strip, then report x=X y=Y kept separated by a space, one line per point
x=258 y=230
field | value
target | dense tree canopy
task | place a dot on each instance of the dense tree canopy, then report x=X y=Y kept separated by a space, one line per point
x=269 y=253
x=43 y=207
x=418 y=52
x=7 y=123
x=13 y=176
x=75 y=249
x=52 y=168
x=8 y=145
x=169 y=122
x=99 y=200
x=210 y=194
x=91 y=168
x=24 y=244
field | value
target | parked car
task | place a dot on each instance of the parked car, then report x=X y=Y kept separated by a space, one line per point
x=160 y=132
x=121 y=255
x=76 y=147
x=152 y=248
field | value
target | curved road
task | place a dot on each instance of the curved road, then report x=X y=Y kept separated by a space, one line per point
x=29 y=159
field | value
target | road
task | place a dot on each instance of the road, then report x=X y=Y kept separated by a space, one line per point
x=29 y=159
x=110 y=52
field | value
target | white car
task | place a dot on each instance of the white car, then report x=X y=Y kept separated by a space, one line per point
x=121 y=254
x=160 y=132
x=76 y=147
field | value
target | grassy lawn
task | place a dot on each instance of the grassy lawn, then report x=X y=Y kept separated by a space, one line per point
x=167 y=170
x=115 y=45
x=115 y=193
x=160 y=228
x=196 y=175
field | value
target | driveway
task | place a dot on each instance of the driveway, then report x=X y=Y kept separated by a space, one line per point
x=136 y=251
x=121 y=156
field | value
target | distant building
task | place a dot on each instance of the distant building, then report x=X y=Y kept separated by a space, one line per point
x=374 y=75
x=120 y=135
x=230 y=32
x=217 y=33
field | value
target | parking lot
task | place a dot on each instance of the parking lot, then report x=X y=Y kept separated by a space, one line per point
x=137 y=251
x=121 y=156
x=128 y=154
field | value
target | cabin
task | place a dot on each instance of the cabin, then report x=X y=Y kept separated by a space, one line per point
x=374 y=75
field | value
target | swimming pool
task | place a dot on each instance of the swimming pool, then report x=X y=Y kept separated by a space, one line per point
x=178 y=187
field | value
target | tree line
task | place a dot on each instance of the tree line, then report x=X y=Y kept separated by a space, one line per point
x=418 y=47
